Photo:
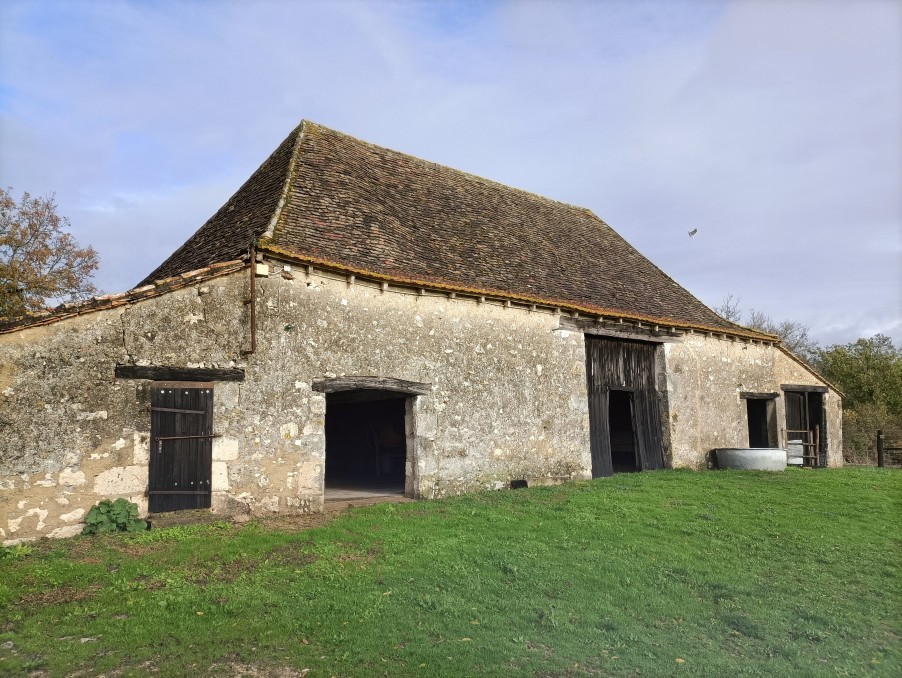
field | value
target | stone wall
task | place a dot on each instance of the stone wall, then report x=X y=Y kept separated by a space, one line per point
x=704 y=378
x=508 y=396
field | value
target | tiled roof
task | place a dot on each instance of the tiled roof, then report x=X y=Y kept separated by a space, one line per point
x=326 y=196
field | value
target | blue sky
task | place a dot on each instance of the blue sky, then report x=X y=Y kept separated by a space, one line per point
x=772 y=126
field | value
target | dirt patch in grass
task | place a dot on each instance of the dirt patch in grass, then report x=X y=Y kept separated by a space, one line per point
x=331 y=511
x=134 y=550
x=218 y=571
x=294 y=554
x=59 y=596
x=254 y=670
x=148 y=583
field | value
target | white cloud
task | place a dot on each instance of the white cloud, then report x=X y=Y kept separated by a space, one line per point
x=770 y=126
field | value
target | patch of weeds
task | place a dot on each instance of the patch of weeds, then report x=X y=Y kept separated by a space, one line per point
x=744 y=625
x=16 y=552
x=108 y=516
x=180 y=533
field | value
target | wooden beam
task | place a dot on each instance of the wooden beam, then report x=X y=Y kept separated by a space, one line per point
x=750 y=395
x=600 y=329
x=159 y=373
x=803 y=388
x=339 y=384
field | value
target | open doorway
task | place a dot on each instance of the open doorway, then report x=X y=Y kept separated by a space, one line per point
x=806 y=426
x=366 y=443
x=622 y=431
x=762 y=422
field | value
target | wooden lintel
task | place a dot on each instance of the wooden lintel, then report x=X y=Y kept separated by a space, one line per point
x=613 y=330
x=751 y=395
x=162 y=373
x=356 y=383
x=804 y=388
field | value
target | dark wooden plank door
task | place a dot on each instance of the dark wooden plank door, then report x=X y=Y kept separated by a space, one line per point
x=181 y=446
x=627 y=366
x=796 y=412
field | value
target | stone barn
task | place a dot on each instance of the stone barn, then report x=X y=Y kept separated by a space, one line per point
x=357 y=319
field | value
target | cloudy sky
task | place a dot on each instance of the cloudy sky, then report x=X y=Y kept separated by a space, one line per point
x=774 y=127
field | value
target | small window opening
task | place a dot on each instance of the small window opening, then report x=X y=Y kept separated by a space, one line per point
x=622 y=431
x=519 y=484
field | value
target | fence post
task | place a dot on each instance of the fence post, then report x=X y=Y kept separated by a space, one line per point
x=880 y=460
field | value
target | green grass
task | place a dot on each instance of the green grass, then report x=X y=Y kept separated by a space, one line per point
x=667 y=573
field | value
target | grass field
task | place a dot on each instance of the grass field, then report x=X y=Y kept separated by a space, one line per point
x=656 y=574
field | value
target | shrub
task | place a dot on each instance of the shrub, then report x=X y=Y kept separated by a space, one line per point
x=114 y=516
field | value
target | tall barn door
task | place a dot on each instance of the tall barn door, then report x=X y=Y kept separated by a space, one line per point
x=181 y=446
x=806 y=425
x=612 y=368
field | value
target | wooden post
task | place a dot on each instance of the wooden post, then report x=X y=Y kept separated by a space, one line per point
x=880 y=460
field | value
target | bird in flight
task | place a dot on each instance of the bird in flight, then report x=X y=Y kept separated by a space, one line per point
x=693 y=232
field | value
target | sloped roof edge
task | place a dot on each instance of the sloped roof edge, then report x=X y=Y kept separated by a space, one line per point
x=108 y=301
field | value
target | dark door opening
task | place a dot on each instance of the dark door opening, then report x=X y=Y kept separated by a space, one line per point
x=181 y=446
x=366 y=443
x=806 y=430
x=622 y=431
x=762 y=422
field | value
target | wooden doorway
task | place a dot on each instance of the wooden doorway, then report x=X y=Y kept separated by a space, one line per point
x=806 y=427
x=366 y=443
x=181 y=446
x=623 y=404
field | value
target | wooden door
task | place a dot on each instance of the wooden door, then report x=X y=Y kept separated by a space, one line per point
x=806 y=422
x=181 y=446
x=613 y=364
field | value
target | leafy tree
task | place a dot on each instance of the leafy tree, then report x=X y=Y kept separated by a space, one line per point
x=40 y=261
x=869 y=373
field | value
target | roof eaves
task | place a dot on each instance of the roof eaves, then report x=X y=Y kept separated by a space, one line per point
x=438 y=284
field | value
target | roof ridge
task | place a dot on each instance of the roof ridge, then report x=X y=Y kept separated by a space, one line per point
x=440 y=166
x=270 y=231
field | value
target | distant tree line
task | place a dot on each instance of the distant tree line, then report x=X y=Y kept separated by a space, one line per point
x=868 y=371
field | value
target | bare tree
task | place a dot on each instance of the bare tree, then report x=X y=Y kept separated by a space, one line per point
x=40 y=261
x=729 y=309
x=793 y=334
